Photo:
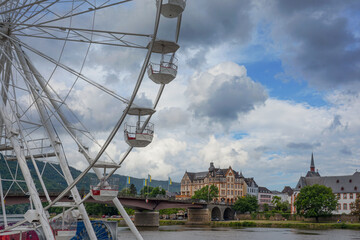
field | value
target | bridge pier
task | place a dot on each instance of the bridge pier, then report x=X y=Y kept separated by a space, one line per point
x=147 y=219
x=198 y=216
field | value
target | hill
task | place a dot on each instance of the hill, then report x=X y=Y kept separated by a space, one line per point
x=55 y=182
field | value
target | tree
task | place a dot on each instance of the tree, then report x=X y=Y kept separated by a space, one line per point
x=98 y=209
x=266 y=207
x=145 y=191
x=280 y=205
x=152 y=191
x=125 y=192
x=246 y=204
x=206 y=194
x=133 y=190
x=315 y=201
x=170 y=211
x=157 y=191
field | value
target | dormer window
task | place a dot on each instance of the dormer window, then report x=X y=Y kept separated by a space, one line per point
x=350 y=180
x=337 y=181
x=342 y=188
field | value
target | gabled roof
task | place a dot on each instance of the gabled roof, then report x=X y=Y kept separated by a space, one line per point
x=312 y=174
x=288 y=190
x=264 y=190
x=250 y=182
x=197 y=175
x=338 y=184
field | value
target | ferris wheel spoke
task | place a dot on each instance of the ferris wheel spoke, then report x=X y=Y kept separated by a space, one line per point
x=43 y=10
x=22 y=7
x=111 y=38
x=91 y=9
x=3 y=2
x=72 y=71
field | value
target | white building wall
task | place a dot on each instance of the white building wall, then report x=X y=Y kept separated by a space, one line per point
x=344 y=201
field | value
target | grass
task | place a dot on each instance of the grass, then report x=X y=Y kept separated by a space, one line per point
x=287 y=224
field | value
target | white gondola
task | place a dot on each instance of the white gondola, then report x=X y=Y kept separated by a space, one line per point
x=164 y=72
x=164 y=47
x=140 y=135
x=104 y=193
x=172 y=8
x=64 y=228
x=105 y=190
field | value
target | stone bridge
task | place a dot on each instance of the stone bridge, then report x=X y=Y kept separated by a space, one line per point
x=147 y=215
x=210 y=212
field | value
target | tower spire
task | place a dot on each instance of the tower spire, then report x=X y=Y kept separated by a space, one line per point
x=312 y=165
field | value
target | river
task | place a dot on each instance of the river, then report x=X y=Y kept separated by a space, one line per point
x=220 y=233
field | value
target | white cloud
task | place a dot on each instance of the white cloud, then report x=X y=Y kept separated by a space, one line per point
x=156 y=159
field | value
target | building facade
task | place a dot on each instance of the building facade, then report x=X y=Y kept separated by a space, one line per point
x=252 y=187
x=346 y=188
x=264 y=196
x=230 y=183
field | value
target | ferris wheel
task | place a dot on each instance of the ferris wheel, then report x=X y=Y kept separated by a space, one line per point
x=41 y=114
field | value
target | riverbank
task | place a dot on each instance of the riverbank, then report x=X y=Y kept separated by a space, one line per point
x=287 y=224
x=271 y=224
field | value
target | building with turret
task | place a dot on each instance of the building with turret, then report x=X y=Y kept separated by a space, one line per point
x=231 y=184
x=346 y=188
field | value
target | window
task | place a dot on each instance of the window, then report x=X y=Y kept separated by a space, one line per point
x=222 y=192
x=228 y=192
x=235 y=192
x=228 y=185
x=339 y=206
x=344 y=195
x=351 y=196
x=232 y=192
x=345 y=206
x=232 y=185
x=339 y=196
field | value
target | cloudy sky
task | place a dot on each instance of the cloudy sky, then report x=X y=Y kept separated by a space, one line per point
x=261 y=85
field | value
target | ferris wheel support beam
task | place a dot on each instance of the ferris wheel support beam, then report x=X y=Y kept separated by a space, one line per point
x=3 y=203
x=55 y=141
x=19 y=152
x=30 y=156
x=6 y=73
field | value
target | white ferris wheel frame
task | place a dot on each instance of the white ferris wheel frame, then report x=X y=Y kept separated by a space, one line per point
x=14 y=56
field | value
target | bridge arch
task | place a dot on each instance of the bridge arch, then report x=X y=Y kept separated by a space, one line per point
x=216 y=214
x=228 y=214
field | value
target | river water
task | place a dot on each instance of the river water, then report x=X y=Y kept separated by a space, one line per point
x=219 y=233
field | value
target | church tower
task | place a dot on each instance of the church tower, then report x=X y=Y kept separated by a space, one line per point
x=312 y=172
x=312 y=164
